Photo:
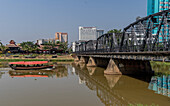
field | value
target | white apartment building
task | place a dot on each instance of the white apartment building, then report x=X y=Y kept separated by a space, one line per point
x=89 y=33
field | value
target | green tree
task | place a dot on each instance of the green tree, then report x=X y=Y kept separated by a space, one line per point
x=63 y=46
x=49 y=45
x=116 y=31
x=29 y=46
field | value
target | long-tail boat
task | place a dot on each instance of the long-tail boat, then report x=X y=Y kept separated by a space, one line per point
x=30 y=65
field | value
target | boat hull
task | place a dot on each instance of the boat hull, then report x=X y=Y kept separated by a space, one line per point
x=31 y=68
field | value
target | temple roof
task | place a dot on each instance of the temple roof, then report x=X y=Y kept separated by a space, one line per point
x=12 y=45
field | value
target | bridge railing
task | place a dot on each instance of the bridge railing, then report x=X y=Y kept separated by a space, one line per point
x=151 y=33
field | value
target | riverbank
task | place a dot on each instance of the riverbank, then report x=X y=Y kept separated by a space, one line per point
x=161 y=68
x=64 y=58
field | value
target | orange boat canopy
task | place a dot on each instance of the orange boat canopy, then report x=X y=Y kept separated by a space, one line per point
x=29 y=63
x=30 y=76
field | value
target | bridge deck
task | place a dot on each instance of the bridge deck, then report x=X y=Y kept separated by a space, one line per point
x=151 y=56
x=128 y=53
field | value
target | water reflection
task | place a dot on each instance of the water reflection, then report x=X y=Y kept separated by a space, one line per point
x=112 y=80
x=100 y=84
x=119 y=90
x=1 y=73
x=160 y=84
x=115 y=90
x=59 y=72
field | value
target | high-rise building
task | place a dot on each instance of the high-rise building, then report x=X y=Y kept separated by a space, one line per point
x=62 y=37
x=89 y=33
x=155 y=6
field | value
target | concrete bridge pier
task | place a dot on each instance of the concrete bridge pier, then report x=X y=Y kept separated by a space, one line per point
x=91 y=62
x=76 y=63
x=119 y=67
x=112 y=68
x=97 y=62
x=76 y=59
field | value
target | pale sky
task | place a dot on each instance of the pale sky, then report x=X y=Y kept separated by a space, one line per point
x=29 y=20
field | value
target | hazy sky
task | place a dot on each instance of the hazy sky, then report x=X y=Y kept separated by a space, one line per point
x=29 y=20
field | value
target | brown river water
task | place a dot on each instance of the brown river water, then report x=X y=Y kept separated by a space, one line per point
x=70 y=84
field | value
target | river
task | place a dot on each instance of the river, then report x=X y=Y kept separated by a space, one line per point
x=77 y=85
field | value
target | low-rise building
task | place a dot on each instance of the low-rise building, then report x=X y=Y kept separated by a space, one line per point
x=12 y=47
x=44 y=41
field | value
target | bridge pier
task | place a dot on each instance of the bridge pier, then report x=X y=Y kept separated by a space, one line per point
x=112 y=68
x=119 y=67
x=94 y=62
x=76 y=59
x=76 y=63
x=91 y=62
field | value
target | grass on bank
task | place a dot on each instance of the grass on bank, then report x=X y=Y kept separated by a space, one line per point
x=159 y=63
x=161 y=68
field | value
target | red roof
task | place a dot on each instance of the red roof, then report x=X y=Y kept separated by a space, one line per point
x=29 y=63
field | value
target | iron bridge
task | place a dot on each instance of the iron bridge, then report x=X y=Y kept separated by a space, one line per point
x=146 y=39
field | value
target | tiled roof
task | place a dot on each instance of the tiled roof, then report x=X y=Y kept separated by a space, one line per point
x=11 y=45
